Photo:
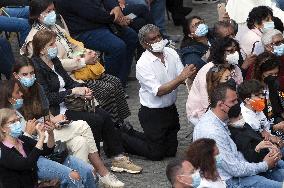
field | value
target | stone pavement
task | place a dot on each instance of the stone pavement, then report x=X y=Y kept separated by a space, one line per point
x=153 y=175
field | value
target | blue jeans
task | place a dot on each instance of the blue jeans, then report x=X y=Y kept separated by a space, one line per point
x=6 y=58
x=272 y=178
x=119 y=51
x=17 y=22
x=158 y=8
x=141 y=2
x=48 y=170
x=280 y=4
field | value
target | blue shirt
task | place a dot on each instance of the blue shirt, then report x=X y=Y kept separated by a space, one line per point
x=233 y=164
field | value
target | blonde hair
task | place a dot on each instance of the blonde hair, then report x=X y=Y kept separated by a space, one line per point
x=5 y=114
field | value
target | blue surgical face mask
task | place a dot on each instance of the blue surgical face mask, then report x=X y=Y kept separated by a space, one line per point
x=15 y=129
x=202 y=30
x=196 y=179
x=28 y=81
x=267 y=26
x=278 y=50
x=52 y=52
x=18 y=104
x=218 y=161
x=50 y=19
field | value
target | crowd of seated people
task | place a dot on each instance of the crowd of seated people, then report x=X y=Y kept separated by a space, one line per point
x=66 y=95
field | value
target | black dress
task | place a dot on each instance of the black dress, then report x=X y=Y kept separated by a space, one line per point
x=246 y=140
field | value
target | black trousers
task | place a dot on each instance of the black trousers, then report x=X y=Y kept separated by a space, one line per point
x=159 y=139
x=102 y=128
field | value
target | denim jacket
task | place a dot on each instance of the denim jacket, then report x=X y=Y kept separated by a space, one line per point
x=193 y=54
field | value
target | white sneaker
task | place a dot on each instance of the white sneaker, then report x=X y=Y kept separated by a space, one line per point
x=111 y=181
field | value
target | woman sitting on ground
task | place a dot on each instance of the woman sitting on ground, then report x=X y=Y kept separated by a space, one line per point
x=223 y=52
x=82 y=64
x=19 y=154
x=195 y=44
x=77 y=134
x=57 y=85
x=203 y=154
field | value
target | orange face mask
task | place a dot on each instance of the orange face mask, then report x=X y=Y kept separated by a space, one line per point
x=257 y=104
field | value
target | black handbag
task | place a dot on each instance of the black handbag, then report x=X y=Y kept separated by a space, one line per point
x=60 y=152
x=78 y=103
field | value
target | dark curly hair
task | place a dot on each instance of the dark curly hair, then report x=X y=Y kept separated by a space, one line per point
x=265 y=62
x=200 y=154
x=249 y=87
x=186 y=31
x=257 y=15
x=217 y=50
x=278 y=24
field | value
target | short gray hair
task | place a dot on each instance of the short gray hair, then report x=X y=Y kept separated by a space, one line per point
x=267 y=36
x=145 y=30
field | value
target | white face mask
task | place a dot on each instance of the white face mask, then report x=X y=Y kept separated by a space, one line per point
x=159 y=46
x=239 y=124
x=233 y=59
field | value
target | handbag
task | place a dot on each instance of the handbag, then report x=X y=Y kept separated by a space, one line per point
x=60 y=152
x=79 y=103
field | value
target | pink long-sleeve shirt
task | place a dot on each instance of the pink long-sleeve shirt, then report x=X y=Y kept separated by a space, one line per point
x=198 y=101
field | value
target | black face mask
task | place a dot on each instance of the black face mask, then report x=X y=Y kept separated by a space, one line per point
x=270 y=80
x=234 y=111
x=232 y=83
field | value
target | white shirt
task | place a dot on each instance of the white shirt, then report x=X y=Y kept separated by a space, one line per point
x=238 y=10
x=62 y=85
x=212 y=184
x=152 y=74
x=257 y=120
